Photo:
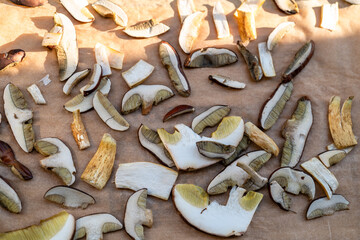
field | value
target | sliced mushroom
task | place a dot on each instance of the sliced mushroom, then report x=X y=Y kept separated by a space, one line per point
x=278 y=33
x=11 y=58
x=69 y=197
x=115 y=58
x=256 y=181
x=246 y=24
x=355 y=2
x=9 y=198
x=242 y=146
x=221 y=23
x=210 y=57
x=213 y=149
x=146 y=29
x=109 y=9
x=190 y=30
x=279 y=196
x=94 y=81
x=252 y=62
x=79 y=131
x=185 y=8
x=333 y=147
x=138 y=73
x=78 y=10
x=36 y=94
x=209 y=118
x=227 y=82
x=30 y=3
x=287 y=6
x=332 y=157
x=326 y=207
x=102 y=59
x=329 y=16
x=53 y=37
x=178 y=110
x=261 y=139
x=137 y=215
x=266 y=60
x=74 y=80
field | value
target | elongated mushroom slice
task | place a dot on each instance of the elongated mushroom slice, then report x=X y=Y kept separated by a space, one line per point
x=19 y=117
x=146 y=29
x=69 y=197
x=209 y=118
x=252 y=62
x=30 y=3
x=11 y=58
x=74 y=80
x=227 y=220
x=109 y=9
x=242 y=146
x=221 y=23
x=279 y=196
x=294 y=181
x=190 y=30
x=185 y=8
x=79 y=131
x=178 y=110
x=301 y=59
x=256 y=181
x=333 y=147
x=94 y=81
x=99 y=169
x=326 y=207
x=94 y=225
x=157 y=179
x=101 y=57
x=145 y=96
x=36 y=94
x=322 y=175
x=210 y=57
x=213 y=149
x=7 y=157
x=329 y=16
x=59 y=161
x=266 y=60
x=138 y=73
x=295 y=132
x=332 y=157
x=9 y=198
x=274 y=106
x=278 y=33
x=171 y=60
x=137 y=215
x=287 y=6
x=261 y=139
x=227 y=82
x=77 y=9
x=108 y=113
x=59 y=226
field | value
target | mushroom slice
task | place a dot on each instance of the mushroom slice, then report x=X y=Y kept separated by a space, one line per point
x=19 y=117
x=185 y=8
x=221 y=220
x=326 y=207
x=329 y=16
x=138 y=73
x=178 y=110
x=53 y=37
x=137 y=215
x=99 y=169
x=94 y=81
x=146 y=29
x=278 y=33
x=7 y=157
x=333 y=147
x=242 y=146
x=209 y=118
x=74 y=80
x=301 y=59
x=256 y=181
x=221 y=23
x=295 y=132
x=294 y=181
x=11 y=58
x=109 y=9
x=322 y=175
x=171 y=60
x=261 y=139
x=355 y=2
x=227 y=82
x=79 y=131
x=9 y=198
x=30 y=3
x=145 y=96
x=115 y=58
x=287 y=6
x=157 y=179
x=101 y=57
x=279 y=196
x=266 y=60
x=78 y=10
x=331 y=157
x=59 y=226
x=213 y=149
x=108 y=113
x=69 y=197
x=36 y=94
x=210 y=57
x=274 y=106
x=94 y=225
x=252 y=62
x=190 y=30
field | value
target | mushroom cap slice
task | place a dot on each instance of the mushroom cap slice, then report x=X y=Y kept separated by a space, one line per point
x=287 y=6
x=138 y=73
x=227 y=82
x=136 y=215
x=9 y=198
x=325 y=207
x=185 y=8
x=278 y=33
x=157 y=179
x=252 y=62
x=78 y=10
x=94 y=81
x=213 y=149
x=242 y=146
x=69 y=197
x=209 y=118
x=279 y=196
x=11 y=58
x=146 y=29
x=210 y=57
x=331 y=157
x=190 y=30
x=74 y=80
x=177 y=111
x=221 y=220
x=221 y=23
x=109 y=9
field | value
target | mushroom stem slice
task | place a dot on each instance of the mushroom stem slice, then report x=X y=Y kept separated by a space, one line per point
x=9 y=198
x=109 y=9
x=178 y=110
x=185 y=8
x=11 y=58
x=279 y=196
x=331 y=157
x=146 y=29
x=278 y=33
x=326 y=207
x=221 y=23
x=190 y=30
x=69 y=197
x=138 y=73
x=252 y=62
x=227 y=82
x=36 y=94
x=266 y=60
x=210 y=57
x=213 y=149
x=78 y=10
x=287 y=6
x=74 y=80
x=246 y=25
x=101 y=57
x=256 y=181
x=209 y=118
x=79 y=131
x=329 y=16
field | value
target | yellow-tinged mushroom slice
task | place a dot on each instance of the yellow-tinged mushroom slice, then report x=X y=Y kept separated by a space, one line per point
x=333 y=147
x=209 y=118
x=325 y=207
x=227 y=220
x=185 y=8
x=266 y=60
x=252 y=62
x=137 y=215
x=74 y=80
x=210 y=57
x=227 y=82
x=77 y=9
x=35 y=93
x=69 y=197
x=9 y=198
x=332 y=157
x=11 y=58
x=329 y=16
x=102 y=59
x=94 y=81
x=79 y=131
x=157 y=179
x=261 y=139
x=109 y=9
x=213 y=149
x=190 y=30
x=278 y=33
x=221 y=23
x=138 y=73
x=279 y=196
x=146 y=29
x=287 y=6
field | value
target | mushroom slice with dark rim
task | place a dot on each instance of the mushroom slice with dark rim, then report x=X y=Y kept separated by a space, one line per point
x=69 y=197
x=279 y=195
x=252 y=62
x=146 y=29
x=213 y=149
x=325 y=207
x=74 y=80
x=209 y=118
x=94 y=81
x=227 y=82
x=178 y=110
x=287 y=6
x=242 y=146
x=9 y=198
x=278 y=33
x=30 y=3
x=109 y=9
x=11 y=58
x=210 y=57
x=261 y=139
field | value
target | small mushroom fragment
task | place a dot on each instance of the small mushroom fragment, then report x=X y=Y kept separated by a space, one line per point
x=94 y=81
x=252 y=62
x=69 y=197
x=146 y=29
x=279 y=196
x=30 y=3
x=227 y=82
x=322 y=175
x=287 y=6
x=102 y=59
x=213 y=149
x=256 y=181
x=138 y=73
x=94 y=225
x=227 y=220
x=79 y=131
x=355 y=2
x=36 y=94
x=295 y=132
x=190 y=30
x=137 y=215
x=278 y=33
x=185 y=8
x=329 y=16
x=220 y=21
x=109 y=9
x=266 y=60
x=331 y=157
x=99 y=169
x=77 y=9
x=9 y=198
x=261 y=139
x=157 y=179
x=209 y=118
x=333 y=147
x=242 y=146
x=53 y=37
x=115 y=58
x=45 y=80
x=171 y=60
x=58 y=158
x=210 y=57
x=19 y=117
x=74 y=80
x=11 y=58
x=274 y=106
x=145 y=96
x=326 y=207
x=178 y=110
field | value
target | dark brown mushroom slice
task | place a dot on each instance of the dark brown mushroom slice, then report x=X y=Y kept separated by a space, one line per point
x=287 y=6
x=325 y=207
x=210 y=57
x=30 y=3
x=11 y=58
x=178 y=110
x=252 y=62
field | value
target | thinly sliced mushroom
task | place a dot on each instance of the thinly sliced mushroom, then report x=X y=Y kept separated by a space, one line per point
x=279 y=195
x=266 y=60
x=11 y=58
x=138 y=73
x=261 y=139
x=185 y=8
x=9 y=198
x=252 y=62
x=227 y=82
x=209 y=118
x=332 y=157
x=256 y=181
x=190 y=30
x=79 y=131
x=74 y=80
x=53 y=37
x=178 y=110
x=278 y=33
x=109 y=9
x=36 y=94
x=94 y=81
x=325 y=207
x=146 y=29
x=213 y=149
x=77 y=9
x=30 y=3
x=329 y=16
x=69 y=197
x=241 y=147
x=355 y=2
x=210 y=57
x=221 y=23
x=287 y=6
x=333 y=147
x=102 y=59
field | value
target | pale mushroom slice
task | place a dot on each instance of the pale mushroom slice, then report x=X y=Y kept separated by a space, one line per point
x=279 y=195
x=157 y=179
x=213 y=149
x=58 y=158
x=115 y=58
x=138 y=73
x=94 y=225
x=185 y=8
x=355 y=2
x=11 y=58
x=209 y=118
x=227 y=82
x=69 y=197
x=210 y=57
x=102 y=59
x=74 y=80
x=53 y=37
x=278 y=33
x=221 y=23
x=325 y=207
x=227 y=220
x=109 y=9
x=287 y=6
x=79 y=132
x=329 y=16
x=190 y=30
x=146 y=29
x=266 y=60
x=94 y=81
x=252 y=62
x=331 y=157
x=19 y=117
x=9 y=198
x=256 y=181
x=145 y=96
x=294 y=181
x=77 y=9
x=35 y=93
x=261 y=139
x=59 y=226
x=137 y=215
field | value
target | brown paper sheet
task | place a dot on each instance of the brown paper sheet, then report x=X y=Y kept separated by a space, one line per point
x=333 y=70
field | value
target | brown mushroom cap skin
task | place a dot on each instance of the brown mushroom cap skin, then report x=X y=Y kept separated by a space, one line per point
x=11 y=58
x=30 y=3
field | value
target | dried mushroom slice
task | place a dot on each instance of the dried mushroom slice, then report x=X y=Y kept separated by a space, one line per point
x=213 y=149
x=329 y=16
x=221 y=23
x=69 y=197
x=79 y=131
x=279 y=196
x=9 y=198
x=242 y=146
x=94 y=81
x=190 y=30
x=332 y=157
x=53 y=37
x=326 y=207
x=261 y=139
x=36 y=94
x=11 y=58
x=266 y=60
x=101 y=58
x=278 y=33
x=355 y=2
x=185 y=8
x=74 y=80
x=77 y=9
x=146 y=29
x=209 y=118
x=287 y=6
x=30 y=3
x=252 y=62
x=178 y=110
x=227 y=82
x=256 y=181
x=109 y=9
x=333 y=147
x=138 y=73
x=210 y=57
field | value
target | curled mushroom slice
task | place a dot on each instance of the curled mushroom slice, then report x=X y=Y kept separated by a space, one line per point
x=227 y=82
x=9 y=198
x=74 y=80
x=213 y=149
x=256 y=181
x=227 y=220
x=209 y=118
x=137 y=215
x=145 y=96
x=190 y=30
x=329 y=16
x=138 y=73
x=278 y=33
x=252 y=62
x=266 y=60
x=69 y=197
x=242 y=146
x=35 y=93
x=221 y=23
x=178 y=110
x=332 y=157
x=11 y=58
x=325 y=207
x=261 y=139
x=279 y=196
x=157 y=179
x=146 y=29
x=101 y=57
x=210 y=57
x=79 y=131
x=185 y=8
x=109 y=9
x=77 y=9
x=30 y=3
x=287 y=6
x=94 y=81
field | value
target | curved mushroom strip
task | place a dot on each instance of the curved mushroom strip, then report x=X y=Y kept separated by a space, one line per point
x=213 y=149
x=138 y=73
x=11 y=58
x=178 y=110
x=190 y=30
x=79 y=131
x=266 y=61
x=77 y=9
x=252 y=62
x=209 y=118
x=261 y=139
x=331 y=157
x=287 y=6
x=9 y=198
x=94 y=81
x=221 y=23
x=242 y=146
x=227 y=82
x=326 y=207
x=30 y=3
x=279 y=196
x=185 y=8
x=69 y=197
x=210 y=57
x=109 y=9
x=74 y=80
x=146 y=29
x=278 y=33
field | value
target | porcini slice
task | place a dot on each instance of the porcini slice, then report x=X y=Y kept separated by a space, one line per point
x=227 y=220
x=157 y=179
x=36 y=94
x=266 y=60
x=242 y=146
x=69 y=197
x=53 y=37
x=278 y=33
x=74 y=80
x=109 y=9
x=287 y=6
x=101 y=57
x=227 y=82
x=77 y=9
x=185 y=8
x=30 y=3
x=9 y=198
x=94 y=81
x=11 y=58
x=331 y=157
x=221 y=23
x=252 y=62
x=146 y=29
x=329 y=16
x=213 y=149
x=137 y=215
x=190 y=30
x=333 y=147
x=138 y=73
x=115 y=58
x=79 y=131
x=256 y=181
x=326 y=207
x=209 y=118
x=261 y=139
x=210 y=57
x=178 y=110
x=279 y=196
x=355 y=2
